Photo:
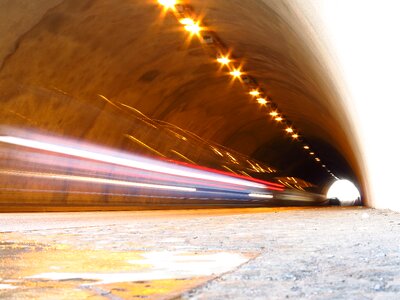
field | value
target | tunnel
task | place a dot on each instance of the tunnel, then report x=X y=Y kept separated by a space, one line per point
x=240 y=87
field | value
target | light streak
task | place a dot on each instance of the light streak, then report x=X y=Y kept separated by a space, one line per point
x=217 y=152
x=144 y=118
x=132 y=162
x=108 y=101
x=229 y=169
x=132 y=138
x=182 y=156
x=266 y=196
x=97 y=180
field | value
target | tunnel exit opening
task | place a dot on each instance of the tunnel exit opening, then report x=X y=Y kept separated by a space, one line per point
x=344 y=192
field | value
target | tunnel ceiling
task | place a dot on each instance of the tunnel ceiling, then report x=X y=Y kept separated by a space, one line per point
x=59 y=56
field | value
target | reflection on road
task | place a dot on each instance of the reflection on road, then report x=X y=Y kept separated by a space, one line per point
x=58 y=271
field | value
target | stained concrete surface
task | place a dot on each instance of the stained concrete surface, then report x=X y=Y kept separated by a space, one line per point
x=329 y=253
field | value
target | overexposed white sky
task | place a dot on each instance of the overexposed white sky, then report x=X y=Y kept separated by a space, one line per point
x=363 y=37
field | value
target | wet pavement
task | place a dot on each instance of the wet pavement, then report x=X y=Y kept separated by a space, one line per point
x=329 y=253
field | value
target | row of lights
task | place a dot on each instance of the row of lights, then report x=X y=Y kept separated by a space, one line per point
x=184 y=15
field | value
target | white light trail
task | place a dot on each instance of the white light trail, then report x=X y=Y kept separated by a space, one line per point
x=133 y=163
x=97 y=180
x=266 y=196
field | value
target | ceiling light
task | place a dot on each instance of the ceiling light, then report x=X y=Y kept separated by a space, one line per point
x=289 y=130
x=193 y=28
x=317 y=159
x=236 y=73
x=279 y=119
x=312 y=153
x=273 y=113
x=223 y=60
x=167 y=3
x=254 y=93
x=306 y=147
x=262 y=100
x=186 y=21
x=295 y=136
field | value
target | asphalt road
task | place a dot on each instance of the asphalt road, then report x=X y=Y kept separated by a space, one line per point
x=48 y=220
x=252 y=253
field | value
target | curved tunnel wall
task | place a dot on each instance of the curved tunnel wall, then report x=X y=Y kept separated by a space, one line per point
x=70 y=52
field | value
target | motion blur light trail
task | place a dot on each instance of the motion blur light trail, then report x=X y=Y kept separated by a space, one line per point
x=95 y=180
x=134 y=162
x=48 y=164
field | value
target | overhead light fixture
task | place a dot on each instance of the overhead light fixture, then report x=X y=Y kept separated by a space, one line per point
x=317 y=159
x=190 y=25
x=273 y=113
x=312 y=153
x=278 y=119
x=289 y=130
x=236 y=73
x=223 y=60
x=167 y=3
x=193 y=28
x=306 y=147
x=262 y=101
x=295 y=136
x=186 y=21
x=254 y=93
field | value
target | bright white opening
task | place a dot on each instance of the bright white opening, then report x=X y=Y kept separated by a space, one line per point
x=345 y=191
